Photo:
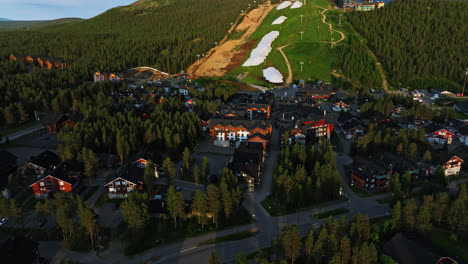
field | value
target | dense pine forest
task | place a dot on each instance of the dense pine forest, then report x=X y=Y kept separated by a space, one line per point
x=161 y=33
x=421 y=43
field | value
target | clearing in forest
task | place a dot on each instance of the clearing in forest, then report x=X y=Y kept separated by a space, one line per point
x=313 y=47
x=232 y=50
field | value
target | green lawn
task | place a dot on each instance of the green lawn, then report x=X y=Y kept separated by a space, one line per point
x=275 y=210
x=229 y=238
x=334 y=212
x=441 y=239
x=8 y=131
x=363 y=194
x=160 y=232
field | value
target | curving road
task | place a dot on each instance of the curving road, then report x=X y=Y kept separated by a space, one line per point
x=189 y=251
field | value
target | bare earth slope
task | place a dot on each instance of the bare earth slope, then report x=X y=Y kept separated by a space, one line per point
x=228 y=51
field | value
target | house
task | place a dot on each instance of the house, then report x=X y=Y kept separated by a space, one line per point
x=246 y=111
x=451 y=162
x=369 y=175
x=43 y=163
x=64 y=179
x=399 y=111
x=19 y=249
x=226 y=132
x=341 y=106
x=353 y=128
x=143 y=160
x=259 y=138
x=437 y=134
x=247 y=164
x=7 y=167
x=54 y=122
x=401 y=165
x=129 y=180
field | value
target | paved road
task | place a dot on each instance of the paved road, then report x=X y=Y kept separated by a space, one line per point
x=21 y=133
x=188 y=251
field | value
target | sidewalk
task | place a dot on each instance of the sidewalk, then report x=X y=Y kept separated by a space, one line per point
x=21 y=133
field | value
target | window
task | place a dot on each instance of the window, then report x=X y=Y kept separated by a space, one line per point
x=61 y=183
x=117 y=183
x=41 y=184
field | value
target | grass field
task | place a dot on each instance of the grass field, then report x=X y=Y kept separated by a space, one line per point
x=229 y=238
x=319 y=58
x=334 y=212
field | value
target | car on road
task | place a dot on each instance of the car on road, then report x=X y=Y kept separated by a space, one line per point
x=3 y=221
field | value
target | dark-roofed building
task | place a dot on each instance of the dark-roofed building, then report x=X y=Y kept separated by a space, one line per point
x=43 y=163
x=64 y=179
x=315 y=91
x=399 y=111
x=19 y=249
x=369 y=175
x=247 y=164
x=54 y=122
x=7 y=167
x=131 y=178
x=400 y=164
x=353 y=127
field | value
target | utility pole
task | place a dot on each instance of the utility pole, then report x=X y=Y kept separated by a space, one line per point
x=302 y=63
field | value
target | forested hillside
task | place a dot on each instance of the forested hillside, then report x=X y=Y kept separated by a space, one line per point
x=161 y=33
x=421 y=43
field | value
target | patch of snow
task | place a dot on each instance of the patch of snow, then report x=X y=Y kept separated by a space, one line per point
x=273 y=75
x=259 y=54
x=283 y=5
x=279 y=20
x=296 y=4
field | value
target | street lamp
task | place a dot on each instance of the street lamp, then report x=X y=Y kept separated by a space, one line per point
x=216 y=44
x=332 y=42
x=302 y=33
x=301 y=18
x=198 y=56
x=302 y=63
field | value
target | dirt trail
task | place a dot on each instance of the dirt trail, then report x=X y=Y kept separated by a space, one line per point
x=290 y=75
x=381 y=70
x=324 y=18
x=229 y=51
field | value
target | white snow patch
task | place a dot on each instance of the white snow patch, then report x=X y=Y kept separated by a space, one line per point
x=296 y=4
x=259 y=54
x=283 y=5
x=273 y=75
x=279 y=20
